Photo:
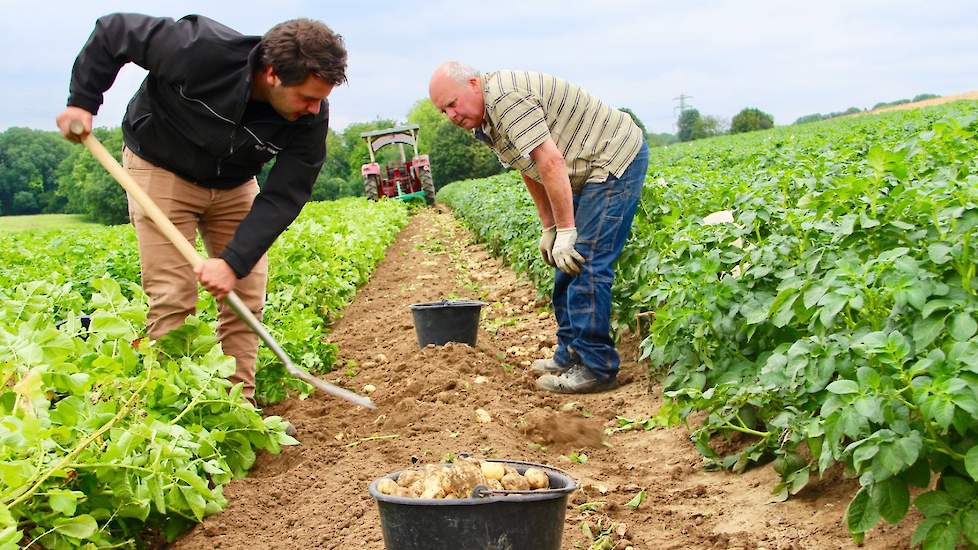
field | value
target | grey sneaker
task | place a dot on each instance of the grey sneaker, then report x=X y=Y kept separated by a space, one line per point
x=577 y=379
x=548 y=366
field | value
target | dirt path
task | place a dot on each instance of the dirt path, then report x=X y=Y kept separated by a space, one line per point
x=315 y=495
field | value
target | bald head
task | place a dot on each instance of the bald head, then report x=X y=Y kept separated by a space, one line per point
x=456 y=90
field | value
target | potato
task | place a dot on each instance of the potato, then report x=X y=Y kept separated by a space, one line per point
x=408 y=477
x=494 y=484
x=405 y=492
x=433 y=484
x=463 y=477
x=537 y=478
x=492 y=470
x=387 y=486
x=511 y=470
x=515 y=482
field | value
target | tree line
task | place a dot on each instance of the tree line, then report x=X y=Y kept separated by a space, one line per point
x=815 y=117
x=40 y=172
x=692 y=125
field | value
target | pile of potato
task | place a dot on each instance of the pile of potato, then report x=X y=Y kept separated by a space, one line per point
x=458 y=479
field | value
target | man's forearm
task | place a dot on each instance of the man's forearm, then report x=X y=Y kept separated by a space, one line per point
x=540 y=199
x=557 y=186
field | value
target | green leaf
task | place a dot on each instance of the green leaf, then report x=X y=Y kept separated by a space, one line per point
x=922 y=530
x=926 y=330
x=969 y=523
x=637 y=500
x=963 y=326
x=868 y=377
x=959 y=489
x=843 y=387
x=799 y=480
x=6 y=518
x=918 y=475
x=943 y=536
x=10 y=538
x=892 y=498
x=813 y=295
x=63 y=502
x=971 y=462
x=939 y=253
x=79 y=527
x=862 y=513
x=831 y=304
x=935 y=503
x=936 y=305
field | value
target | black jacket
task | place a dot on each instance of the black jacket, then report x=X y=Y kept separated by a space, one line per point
x=187 y=117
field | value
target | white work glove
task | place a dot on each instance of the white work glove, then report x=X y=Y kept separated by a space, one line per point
x=547 y=244
x=565 y=257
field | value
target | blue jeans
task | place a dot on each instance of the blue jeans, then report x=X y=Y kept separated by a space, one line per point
x=603 y=214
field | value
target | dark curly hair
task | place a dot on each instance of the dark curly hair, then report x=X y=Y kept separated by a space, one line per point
x=299 y=48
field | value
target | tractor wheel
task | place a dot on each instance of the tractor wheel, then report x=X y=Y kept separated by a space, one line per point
x=428 y=186
x=371 y=184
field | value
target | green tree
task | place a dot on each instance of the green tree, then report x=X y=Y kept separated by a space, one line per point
x=88 y=188
x=714 y=125
x=634 y=118
x=457 y=155
x=329 y=188
x=750 y=119
x=337 y=156
x=29 y=160
x=429 y=118
x=690 y=125
x=882 y=104
x=660 y=139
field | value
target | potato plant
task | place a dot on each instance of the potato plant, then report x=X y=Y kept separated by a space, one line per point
x=833 y=322
x=102 y=441
x=315 y=268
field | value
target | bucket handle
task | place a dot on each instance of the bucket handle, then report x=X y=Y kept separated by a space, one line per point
x=481 y=491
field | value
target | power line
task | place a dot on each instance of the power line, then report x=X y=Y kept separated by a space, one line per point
x=682 y=101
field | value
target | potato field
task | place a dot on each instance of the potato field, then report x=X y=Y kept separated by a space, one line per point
x=804 y=376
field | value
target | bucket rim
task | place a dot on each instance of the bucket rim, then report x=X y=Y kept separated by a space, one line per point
x=448 y=304
x=562 y=492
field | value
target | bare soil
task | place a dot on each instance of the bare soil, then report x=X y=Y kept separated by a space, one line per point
x=315 y=495
x=927 y=102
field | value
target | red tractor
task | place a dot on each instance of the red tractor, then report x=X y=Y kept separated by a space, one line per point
x=405 y=180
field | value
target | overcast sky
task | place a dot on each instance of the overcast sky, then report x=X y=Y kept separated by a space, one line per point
x=788 y=58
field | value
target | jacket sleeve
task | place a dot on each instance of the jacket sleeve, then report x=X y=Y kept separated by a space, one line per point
x=286 y=191
x=121 y=38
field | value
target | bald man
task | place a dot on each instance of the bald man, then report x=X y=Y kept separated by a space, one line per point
x=583 y=164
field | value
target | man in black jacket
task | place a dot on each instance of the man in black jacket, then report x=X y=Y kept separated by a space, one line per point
x=215 y=106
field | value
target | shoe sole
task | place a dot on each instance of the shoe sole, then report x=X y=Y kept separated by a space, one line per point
x=543 y=370
x=597 y=388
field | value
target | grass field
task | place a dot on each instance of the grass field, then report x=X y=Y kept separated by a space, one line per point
x=13 y=224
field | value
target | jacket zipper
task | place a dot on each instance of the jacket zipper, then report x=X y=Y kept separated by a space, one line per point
x=234 y=131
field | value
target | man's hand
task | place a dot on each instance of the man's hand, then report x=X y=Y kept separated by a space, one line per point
x=70 y=114
x=565 y=257
x=547 y=244
x=217 y=277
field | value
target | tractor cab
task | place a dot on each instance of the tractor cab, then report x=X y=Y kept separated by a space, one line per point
x=404 y=180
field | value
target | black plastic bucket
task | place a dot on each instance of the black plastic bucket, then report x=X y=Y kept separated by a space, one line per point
x=532 y=520
x=447 y=321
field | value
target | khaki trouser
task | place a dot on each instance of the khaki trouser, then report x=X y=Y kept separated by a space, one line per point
x=168 y=278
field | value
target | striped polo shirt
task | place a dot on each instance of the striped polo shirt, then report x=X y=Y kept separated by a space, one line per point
x=524 y=108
